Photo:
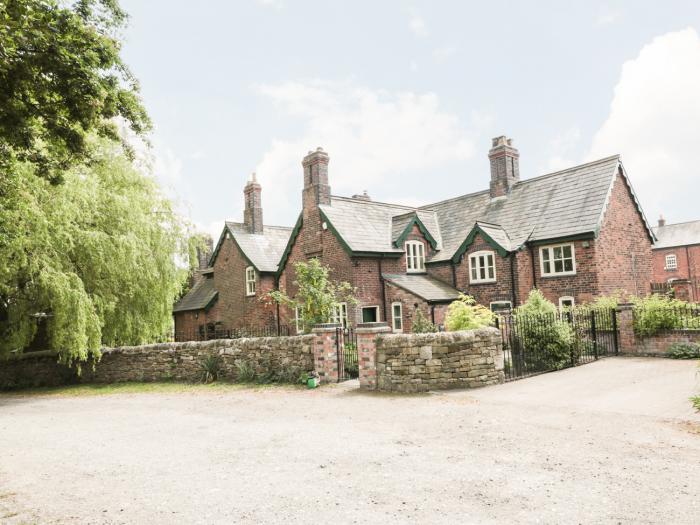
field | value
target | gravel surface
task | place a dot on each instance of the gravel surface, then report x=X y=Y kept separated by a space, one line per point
x=615 y=441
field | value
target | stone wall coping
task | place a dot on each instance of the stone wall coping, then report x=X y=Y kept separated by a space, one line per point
x=372 y=328
x=439 y=338
x=325 y=327
x=625 y=306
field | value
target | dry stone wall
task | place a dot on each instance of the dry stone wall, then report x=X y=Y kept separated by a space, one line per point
x=274 y=357
x=422 y=362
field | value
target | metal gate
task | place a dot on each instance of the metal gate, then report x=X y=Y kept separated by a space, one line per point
x=534 y=344
x=346 y=347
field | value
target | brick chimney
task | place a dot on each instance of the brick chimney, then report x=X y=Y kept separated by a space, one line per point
x=204 y=252
x=505 y=166
x=252 y=213
x=316 y=191
x=662 y=221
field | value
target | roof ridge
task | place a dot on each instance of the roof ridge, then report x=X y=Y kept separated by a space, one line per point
x=575 y=167
x=264 y=225
x=676 y=224
x=429 y=206
x=361 y=201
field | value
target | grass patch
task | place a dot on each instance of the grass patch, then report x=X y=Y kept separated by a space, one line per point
x=696 y=402
x=137 y=388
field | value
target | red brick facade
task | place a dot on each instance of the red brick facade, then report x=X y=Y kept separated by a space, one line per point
x=684 y=278
x=617 y=257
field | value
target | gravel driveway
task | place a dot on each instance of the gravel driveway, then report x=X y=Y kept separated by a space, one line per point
x=615 y=441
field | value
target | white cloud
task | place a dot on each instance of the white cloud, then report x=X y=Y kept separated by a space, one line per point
x=562 y=148
x=443 y=54
x=374 y=139
x=608 y=16
x=413 y=66
x=416 y=23
x=277 y=4
x=654 y=122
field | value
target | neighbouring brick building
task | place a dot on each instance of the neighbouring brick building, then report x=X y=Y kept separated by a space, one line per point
x=574 y=234
x=676 y=256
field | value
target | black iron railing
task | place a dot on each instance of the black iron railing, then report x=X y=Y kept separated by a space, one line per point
x=346 y=347
x=206 y=333
x=651 y=320
x=534 y=344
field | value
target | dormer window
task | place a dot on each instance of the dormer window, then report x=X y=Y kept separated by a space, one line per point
x=250 y=281
x=482 y=268
x=671 y=262
x=415 y=257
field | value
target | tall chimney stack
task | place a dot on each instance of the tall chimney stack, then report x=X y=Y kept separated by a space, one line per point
x=252 y=213
x=316 y=192
x=505 y=166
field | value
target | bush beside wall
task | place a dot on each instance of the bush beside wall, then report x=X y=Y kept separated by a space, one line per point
x=281 y=358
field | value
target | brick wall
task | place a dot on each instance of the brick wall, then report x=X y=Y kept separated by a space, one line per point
x=485 y=293
x=623 y=248
x=167 y=361
x=657 y=344
x=422 y=362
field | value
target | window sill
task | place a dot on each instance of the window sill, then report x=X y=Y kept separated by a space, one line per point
x=554 y=275
x=250 y=295
x=492 y=281
x=413 y=272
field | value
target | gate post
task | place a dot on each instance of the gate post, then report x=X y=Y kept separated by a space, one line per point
x=625 y=324
x=326 y=351
x=367 y=352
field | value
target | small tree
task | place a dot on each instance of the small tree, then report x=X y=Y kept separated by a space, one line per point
x=466 y=314
x=317 y=294
x=421 y=324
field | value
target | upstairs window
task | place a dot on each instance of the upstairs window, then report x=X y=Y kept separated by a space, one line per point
x=340 y=314
x=558 y=260
x=482 y=268
x=671 y=262
x=415 y=257
x=250 y=281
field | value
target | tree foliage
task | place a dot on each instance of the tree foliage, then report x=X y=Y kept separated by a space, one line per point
x=421 y=324
x=94 y=258
x=61 y=81
x=317 y=294
x=466 y=314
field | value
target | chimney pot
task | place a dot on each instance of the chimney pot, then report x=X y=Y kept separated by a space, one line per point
x=662 y=221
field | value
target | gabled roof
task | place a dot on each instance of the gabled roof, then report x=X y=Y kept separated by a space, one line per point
x=423 y=286
x=681 y=234
x=493 y=234
x=201 y=296
x=565 y=204
x=263 y=251
x=401 y=226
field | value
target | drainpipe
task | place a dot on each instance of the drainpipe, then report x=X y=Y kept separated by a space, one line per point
x=381 y=286
x=532 y=263
x=514 y=294
x=690 y=275
x=277 y=306
x=432 y=313
x=454 y=273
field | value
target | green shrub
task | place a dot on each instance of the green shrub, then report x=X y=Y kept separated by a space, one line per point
x=548 y=342
x=684 y=351
x=466 y=314
x=421 y=325
x=656 y=313
x=211 y=366
x=245 y=372
x=696 y=402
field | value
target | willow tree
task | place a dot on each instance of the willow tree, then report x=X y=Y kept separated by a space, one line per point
x=93 y=259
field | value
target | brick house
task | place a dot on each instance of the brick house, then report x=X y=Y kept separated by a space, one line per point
x=676 y=259
x=574 y=234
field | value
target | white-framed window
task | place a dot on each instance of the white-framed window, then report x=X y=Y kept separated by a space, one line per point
x=482 y=267
x=340 y=314
x=298 y=324
x=397 y=317
x=566 y=303
x=558 y=260
x=501 y=306
x=370 y=314
x=671 y=262
x=250 y=280
x=415 y=257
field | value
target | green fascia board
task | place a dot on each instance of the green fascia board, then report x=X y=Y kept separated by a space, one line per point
x=214 y=255
x=568 y=238
x=417 y=222
x=292 y=239
x=335 y=232
x=470 y=239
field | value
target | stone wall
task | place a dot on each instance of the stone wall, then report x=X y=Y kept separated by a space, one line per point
x=422 y=362
x=278 y=357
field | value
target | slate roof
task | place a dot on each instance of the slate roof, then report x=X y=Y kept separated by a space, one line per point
x=200 y=296
x=424 y=286
x=557 y=205
x=264 y=250
x=681 y=234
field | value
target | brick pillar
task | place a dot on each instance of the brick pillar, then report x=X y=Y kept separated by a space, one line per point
x=625 y=326
x=326 y=351
x=367 y=334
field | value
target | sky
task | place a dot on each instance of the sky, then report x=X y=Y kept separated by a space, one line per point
x=406 y=96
